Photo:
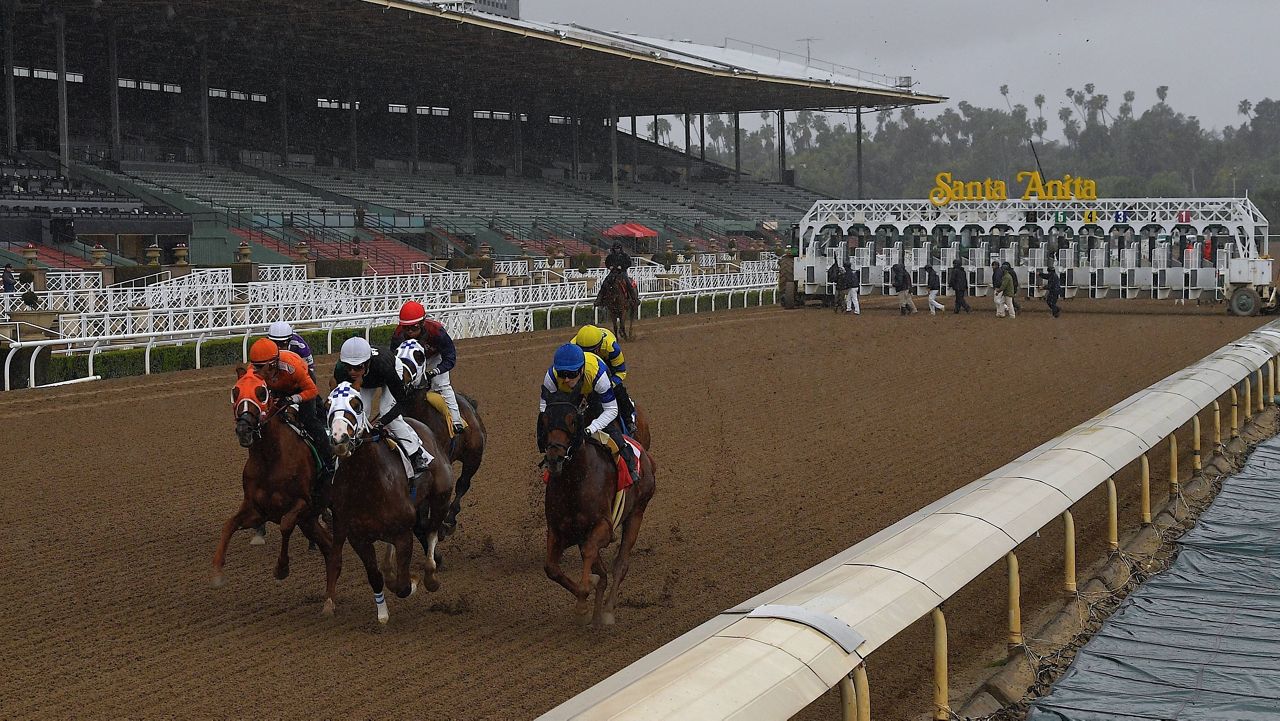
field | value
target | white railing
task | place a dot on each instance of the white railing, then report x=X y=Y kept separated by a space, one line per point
x=271 y=273
x=706 y=260
x=524 y=294
x=545 y=263
x=73 y=280
x=511 y=267
x=463 y=321
x=726 y=280
x=759 y=266
x=772 y=655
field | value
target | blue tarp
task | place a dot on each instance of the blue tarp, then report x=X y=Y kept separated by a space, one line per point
x=1201 y=641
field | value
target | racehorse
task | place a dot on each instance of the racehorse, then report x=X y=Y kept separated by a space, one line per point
x=621 y=301
x=467 y=448
x=371 y=501
x=277 y=477
x=581 y=485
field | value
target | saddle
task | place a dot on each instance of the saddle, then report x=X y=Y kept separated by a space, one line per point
x=290 y=417
x=437 y=402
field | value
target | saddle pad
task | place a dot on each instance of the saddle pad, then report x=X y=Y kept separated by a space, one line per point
x=437 y=402
x=624 y=474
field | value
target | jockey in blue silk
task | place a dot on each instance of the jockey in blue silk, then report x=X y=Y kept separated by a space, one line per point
x=602 y=343
x=573 y=371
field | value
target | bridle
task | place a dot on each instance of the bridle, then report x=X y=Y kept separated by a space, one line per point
x=355 y=422
x=555 y=421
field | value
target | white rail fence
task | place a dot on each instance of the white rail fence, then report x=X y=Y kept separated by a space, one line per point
x=819 y=626
x=464 y=321
x=526 y=294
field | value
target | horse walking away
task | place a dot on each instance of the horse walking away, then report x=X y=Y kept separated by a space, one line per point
x=277 y=477
x=582 y=486
x=372 y=501
x=619 y=297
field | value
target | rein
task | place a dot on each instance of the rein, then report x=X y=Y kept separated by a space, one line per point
x=575 y=439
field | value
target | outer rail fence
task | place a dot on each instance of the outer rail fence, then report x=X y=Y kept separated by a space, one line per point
x=464 y=321
x=776 y=653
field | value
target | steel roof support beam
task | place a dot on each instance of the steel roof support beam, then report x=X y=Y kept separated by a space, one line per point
x=468 y=140
x=737 y=146
x=688 y=149
x=10 y=97
x=414 y=130
x=206 y=140
x=702 y=137
x=782 y=146
x=635 y=148
x=113 y=89
x=354 y=143
x=64 y=140
x=282 y=103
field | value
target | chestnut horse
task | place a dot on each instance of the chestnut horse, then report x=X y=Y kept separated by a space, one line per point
x=277 y=477
x=621 y=301
x=581 y=484
x=371 y=502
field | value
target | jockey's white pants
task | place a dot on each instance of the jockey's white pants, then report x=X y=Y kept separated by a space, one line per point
x=440 y=384
x=934 y=305
x=851 y=301
x=399 y=429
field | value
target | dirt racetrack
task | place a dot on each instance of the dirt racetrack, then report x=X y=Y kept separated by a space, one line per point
x=781 y=437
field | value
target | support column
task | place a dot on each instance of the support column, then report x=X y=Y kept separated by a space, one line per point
x=635 y=148
x=702 y=137
x=941 y=705
x=574 y=131
x=655 y=130
x=613 y=150
x=353 y=148
x=113 y=90
x=1015 y=604
x=206 y=142
x=859 y=145
x=782 y=146
x=517 y=133
x=688 y=151
x=10 y=96
x=468 y=141
x=283 y=105
x=414 y=129
x=737 y=146
x=64 y=140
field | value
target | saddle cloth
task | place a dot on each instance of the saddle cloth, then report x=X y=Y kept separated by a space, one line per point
x=437 y=402
x=394 y=445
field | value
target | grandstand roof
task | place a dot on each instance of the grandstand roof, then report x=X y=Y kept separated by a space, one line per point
x=399 y=49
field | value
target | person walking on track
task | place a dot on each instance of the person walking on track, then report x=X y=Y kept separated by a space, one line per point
x=1004 y=299
x=935 y=286
x=958 y=282
x=901 y=280
x=852 y=280
x=1052 y=289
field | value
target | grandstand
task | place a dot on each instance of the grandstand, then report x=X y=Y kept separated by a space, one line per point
x=423 y=131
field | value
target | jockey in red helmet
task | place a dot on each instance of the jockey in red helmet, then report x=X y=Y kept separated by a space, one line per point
x=288 y=379
x=442 y=356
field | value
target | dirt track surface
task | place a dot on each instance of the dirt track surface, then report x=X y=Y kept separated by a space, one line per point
x=781 y=437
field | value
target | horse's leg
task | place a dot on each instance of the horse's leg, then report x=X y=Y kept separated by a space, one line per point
x=333 y=569
x=551 y=565
x=621 y=563
x=369 y=557
x=432 y=515
x=287 y=522
x=405 y=583
x=471 y=457
x=317 y=534
x=598 y=537
x=244 y=517
x=602 y=573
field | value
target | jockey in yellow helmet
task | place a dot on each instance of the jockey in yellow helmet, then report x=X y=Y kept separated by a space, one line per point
x=600 y=341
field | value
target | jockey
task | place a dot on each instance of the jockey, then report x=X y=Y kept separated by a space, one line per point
x=601 y=342
x=572 y=370
x=281 y=333
x=287 y=378
x=617 y=261
x=364 y=368
x=442 y=356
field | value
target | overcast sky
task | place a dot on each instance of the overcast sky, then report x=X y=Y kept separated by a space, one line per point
x=1211 y=53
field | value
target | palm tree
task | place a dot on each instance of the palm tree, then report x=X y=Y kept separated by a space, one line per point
x=1245 y=108
x=1162 y=92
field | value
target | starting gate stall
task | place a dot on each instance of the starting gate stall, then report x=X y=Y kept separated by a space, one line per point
x=1102 y=252
x=949 y=255
x=918 y=258
x=1037 y=265
x=863 y=257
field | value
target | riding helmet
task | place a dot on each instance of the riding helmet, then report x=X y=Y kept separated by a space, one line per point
x=263 y=351
x=280 y=331
x=412 y=313
x=589 y=336
x=355 y=351
x=569 y=357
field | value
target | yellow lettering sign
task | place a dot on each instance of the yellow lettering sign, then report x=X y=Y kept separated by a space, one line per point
x=946 y=189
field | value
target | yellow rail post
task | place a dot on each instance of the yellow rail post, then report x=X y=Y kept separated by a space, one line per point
x=1248 y=398
x=1195 y=443
x=1146 y=491
x=1261 y=395
x=941 y=705
x=1235 y=414
x=1069 y=554
x=1271 y=368
x=848 y=700
x=1015 y=604
x=1173 y=465
x=1217 y=426
x=863 y=690
x=1113 y=517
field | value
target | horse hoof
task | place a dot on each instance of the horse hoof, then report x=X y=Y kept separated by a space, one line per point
x=432 y=585
x=219 y=580
x=258 y=539
x=595 y=581
x=413 y=586
x=606 y=619
x=328 y=607
x=282 y=572
x=383 y=618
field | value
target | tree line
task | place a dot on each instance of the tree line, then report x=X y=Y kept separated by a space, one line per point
x=1153 y=152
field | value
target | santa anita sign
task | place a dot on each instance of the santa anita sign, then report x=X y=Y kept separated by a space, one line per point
x=947 y=190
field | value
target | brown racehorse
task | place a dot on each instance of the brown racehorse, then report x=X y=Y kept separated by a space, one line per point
x=277 y=477
x=371 y=502
x=582 y=479
x=467 y=448
x=621 y=302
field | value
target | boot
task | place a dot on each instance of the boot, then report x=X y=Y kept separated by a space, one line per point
x=458 y=428
x=420 y=463
x=633 y=464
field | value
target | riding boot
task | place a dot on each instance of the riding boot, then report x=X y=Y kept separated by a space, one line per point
x=633 y=464
x=421 y=464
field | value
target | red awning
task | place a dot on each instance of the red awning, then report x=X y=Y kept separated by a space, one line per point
x=631 y=230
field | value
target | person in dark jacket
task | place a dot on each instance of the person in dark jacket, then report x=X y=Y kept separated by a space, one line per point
x=935 y=287
x=850 y=281
x=835 y=276
x=958 y=282
x=997 y=281
x=368 y=370
x=901 y=280
x=618 y=262
x=1014 y=298
x=1052 y=289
